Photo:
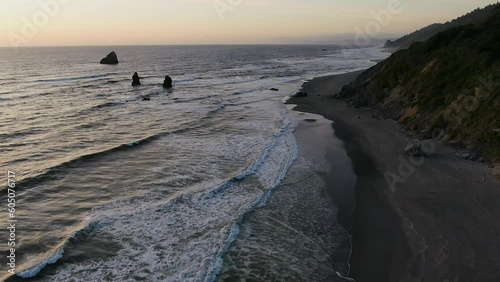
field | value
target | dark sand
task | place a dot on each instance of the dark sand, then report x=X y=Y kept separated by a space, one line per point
x=441 y=224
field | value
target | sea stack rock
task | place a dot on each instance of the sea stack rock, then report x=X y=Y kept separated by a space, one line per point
x=168 y=82
x=111 y=59
x=135 y=80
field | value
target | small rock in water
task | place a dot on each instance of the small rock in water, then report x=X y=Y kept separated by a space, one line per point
x=111 y=59
x=136 y=80
x=168 y=82
x=274 y=89
x=146 y=99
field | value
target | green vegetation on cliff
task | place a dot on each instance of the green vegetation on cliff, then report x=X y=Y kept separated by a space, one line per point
x=448 y=84
x=475 y=17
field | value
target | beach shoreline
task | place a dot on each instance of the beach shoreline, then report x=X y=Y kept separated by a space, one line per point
x=416 y=230
x=372 y=244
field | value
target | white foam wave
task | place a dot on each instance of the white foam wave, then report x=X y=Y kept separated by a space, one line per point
x=254 y=168
x=35 y=270
x=186 y=237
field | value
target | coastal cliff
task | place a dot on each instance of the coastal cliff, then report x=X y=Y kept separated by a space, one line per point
x=475 y=17
x=446 y=87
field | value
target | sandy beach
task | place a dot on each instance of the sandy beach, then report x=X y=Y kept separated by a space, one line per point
x=438 y=222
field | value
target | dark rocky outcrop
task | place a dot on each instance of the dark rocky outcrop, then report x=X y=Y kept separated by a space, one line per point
x=136 y=80
x=415 y=150
x=111 y=59
x=168 y=82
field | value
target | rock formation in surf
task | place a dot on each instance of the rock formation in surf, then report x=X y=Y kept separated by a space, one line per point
x=136 y=80
x=168 y=82
x=111 y=59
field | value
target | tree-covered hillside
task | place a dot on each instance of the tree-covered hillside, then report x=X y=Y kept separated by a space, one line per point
x=475 y=17
x=449 y=84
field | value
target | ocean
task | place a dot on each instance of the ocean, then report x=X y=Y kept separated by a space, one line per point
x=113 y=188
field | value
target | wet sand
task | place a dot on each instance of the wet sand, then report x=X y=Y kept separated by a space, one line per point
x=439 y=223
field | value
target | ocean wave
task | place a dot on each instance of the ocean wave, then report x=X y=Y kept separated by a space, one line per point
x=53 y=256
x=189 y=100
x=106 y=105
x=285 y=79
x=254 y=168
x=242 y=81
x=152 y=93
x=247 y=91
x=257 y=167
x=52 y=172
x=189 y=79
x=246 y=103
x=20 y=133
x=87 y=86
x=249 y=67
x=236 y=82
x=61 y=79
x=259 y=201
x=7 y=83
x=32 y=272
x=111 y=104
x=189 y=233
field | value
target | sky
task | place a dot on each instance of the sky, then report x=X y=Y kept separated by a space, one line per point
x=165 y=22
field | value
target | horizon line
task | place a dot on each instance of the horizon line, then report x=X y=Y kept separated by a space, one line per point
x=194 y=44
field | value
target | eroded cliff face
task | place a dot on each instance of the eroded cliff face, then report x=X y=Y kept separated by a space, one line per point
x=446 y=87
